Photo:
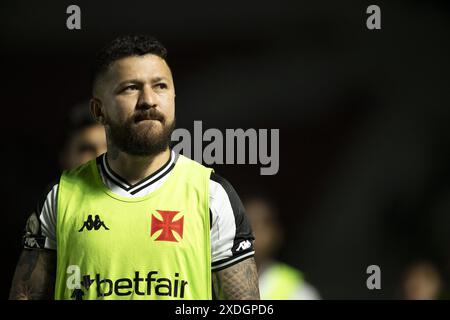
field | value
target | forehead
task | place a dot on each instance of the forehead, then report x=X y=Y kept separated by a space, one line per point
x=143 y=67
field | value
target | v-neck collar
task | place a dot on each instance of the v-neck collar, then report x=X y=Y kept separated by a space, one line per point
x=142 y=184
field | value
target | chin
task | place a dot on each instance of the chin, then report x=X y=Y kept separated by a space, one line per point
x=150 y=128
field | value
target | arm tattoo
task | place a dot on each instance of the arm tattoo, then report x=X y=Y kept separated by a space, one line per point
x=34 y=278
x=238 y=282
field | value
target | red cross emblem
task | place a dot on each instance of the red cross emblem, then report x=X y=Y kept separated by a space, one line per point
x=167 y=225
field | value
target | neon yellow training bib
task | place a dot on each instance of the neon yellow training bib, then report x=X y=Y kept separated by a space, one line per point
x=282 y=281
x=151 y=247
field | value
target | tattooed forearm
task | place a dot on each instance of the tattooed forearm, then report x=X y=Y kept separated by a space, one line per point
x=34 y=278
x=238 y=282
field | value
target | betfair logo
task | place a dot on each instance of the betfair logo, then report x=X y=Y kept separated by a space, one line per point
x=147 y=284
x=94 y=224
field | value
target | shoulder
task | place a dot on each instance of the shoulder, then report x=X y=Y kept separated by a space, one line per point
x=189 y=164
x=221 y=189
x=40 y=225
x=224 y=200
x=47 y=199
x=231 y=235
x=75 y=173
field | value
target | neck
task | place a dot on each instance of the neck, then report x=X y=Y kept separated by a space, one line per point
x=135 y=168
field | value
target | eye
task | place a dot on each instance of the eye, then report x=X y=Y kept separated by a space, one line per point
x=161 y=85
x=131 y=87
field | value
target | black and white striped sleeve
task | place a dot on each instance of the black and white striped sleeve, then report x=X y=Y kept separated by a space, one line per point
x=40 y=230
x=231 y=234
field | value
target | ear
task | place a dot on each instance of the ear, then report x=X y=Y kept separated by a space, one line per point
x=95 y=106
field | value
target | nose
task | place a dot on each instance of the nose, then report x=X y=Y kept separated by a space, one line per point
x=147 y=98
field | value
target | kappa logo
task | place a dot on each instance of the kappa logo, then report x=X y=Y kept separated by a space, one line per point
x=95 y=224
x=244 y=245
x=167 y=225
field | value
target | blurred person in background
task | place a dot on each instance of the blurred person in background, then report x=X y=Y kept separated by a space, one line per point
x=86 y=139
x=422 y=281
x=277 y=280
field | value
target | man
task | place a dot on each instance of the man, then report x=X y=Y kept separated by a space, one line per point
x=86 y=138
x=277 y=280
x=139 y=222
x=422 y=281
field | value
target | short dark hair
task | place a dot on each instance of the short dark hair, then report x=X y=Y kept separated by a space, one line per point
x=126 y=46
x=79 y=117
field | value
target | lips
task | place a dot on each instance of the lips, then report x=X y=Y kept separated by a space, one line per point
x=143 y=117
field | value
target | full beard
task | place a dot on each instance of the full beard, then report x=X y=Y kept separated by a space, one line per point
x=141 y=139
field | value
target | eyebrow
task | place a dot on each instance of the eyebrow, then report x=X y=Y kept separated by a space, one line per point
x=157 y=79
x=153 y=80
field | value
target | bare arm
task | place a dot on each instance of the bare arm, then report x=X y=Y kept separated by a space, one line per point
x=34 y=278
x=238 y=282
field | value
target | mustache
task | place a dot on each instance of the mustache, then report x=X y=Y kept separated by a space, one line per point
x=150 y=114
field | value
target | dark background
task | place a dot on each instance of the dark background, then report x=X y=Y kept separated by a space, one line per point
x=363 y=117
